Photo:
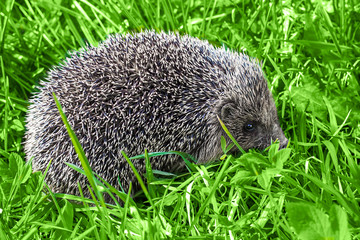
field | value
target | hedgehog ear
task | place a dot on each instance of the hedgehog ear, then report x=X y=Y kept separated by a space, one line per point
x=226 y=110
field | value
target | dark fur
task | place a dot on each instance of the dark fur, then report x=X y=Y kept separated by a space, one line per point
x=156 y=91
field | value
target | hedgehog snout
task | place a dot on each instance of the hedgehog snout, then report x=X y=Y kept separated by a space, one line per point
x=279 y=134
x=283 y=142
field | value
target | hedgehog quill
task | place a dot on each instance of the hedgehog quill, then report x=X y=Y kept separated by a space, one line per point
x=155 y=91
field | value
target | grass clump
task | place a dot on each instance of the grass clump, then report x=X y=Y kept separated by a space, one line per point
x=310 y=52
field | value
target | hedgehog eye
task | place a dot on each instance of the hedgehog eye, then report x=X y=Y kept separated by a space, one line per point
x=249 y=127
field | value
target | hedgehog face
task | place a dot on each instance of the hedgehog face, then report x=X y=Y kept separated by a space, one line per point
x=253 y=122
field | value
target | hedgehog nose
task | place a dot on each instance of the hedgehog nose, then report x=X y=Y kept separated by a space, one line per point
x=283 y=143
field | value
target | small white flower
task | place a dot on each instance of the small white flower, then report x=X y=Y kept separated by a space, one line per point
x=0 y=211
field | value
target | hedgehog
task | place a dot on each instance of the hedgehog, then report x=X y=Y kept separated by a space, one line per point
x=148 y=90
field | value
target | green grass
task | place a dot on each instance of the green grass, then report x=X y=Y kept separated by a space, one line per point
x=311 y=56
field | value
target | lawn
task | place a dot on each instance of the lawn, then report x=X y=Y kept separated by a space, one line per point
x=310 y=52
